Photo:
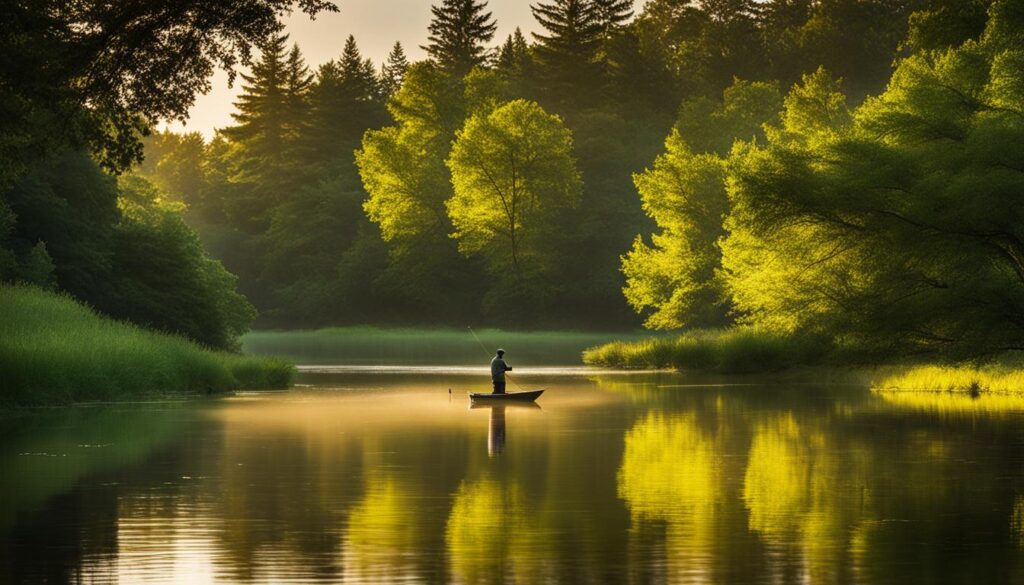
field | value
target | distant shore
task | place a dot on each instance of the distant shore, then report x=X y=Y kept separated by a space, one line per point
x=748 y=351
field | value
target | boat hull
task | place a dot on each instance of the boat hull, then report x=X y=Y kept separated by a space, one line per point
x=528 y=396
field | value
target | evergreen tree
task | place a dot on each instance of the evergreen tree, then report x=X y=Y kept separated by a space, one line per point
x=261 y=108
x=298 y=83
x=514 y=54
x=393 y=71
x=612 y=15
x=568 y=50
x=459 y=31
x=271 y=119
x=265 y=158
x=357 y=77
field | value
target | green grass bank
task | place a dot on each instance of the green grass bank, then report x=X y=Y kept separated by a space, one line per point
x=749 y=351
x=986 y=379
x=54 y=350
x=726 y=351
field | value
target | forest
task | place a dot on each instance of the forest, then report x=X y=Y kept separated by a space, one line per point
x=842 y=170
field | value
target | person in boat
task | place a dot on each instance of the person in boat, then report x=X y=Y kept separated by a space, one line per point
x=498 y=369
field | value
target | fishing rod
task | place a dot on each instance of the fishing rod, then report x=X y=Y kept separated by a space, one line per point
x=488 y=352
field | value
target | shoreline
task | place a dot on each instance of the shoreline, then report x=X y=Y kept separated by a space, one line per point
x=56 y=351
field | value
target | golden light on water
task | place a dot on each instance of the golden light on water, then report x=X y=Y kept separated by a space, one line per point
x=385 y=478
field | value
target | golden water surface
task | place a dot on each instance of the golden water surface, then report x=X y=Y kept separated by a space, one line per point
x=363 y=475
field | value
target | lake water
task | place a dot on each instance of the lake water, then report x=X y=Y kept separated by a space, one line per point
x=377 y=474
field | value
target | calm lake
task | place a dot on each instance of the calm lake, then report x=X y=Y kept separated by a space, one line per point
x=377 y=474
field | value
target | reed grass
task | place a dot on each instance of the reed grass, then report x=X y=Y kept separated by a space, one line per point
x=731 y=351
x=993 y=378
x=54 y=350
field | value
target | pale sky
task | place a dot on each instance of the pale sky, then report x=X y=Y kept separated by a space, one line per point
x=376 y=24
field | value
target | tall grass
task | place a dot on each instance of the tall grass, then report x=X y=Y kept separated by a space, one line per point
x=54 y=350
x=730 y=351
x=993 y=378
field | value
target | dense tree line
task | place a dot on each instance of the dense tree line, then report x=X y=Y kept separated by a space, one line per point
x=497 y=180
x=892 y=227
x=351 y=195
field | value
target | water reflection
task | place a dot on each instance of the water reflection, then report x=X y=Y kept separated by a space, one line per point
x=377 y=478
x=496 y=424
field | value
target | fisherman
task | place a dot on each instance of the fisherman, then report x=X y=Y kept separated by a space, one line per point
x=498 y=369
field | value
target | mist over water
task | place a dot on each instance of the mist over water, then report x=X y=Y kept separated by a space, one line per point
x=371 y=475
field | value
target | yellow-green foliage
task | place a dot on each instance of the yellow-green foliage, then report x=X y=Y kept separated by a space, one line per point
x=738 y=350
x=994 y=378
x=512 y=169
x=54 y=350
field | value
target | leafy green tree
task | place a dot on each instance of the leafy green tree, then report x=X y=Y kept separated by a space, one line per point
x=38 y=268
x=674 y=279
x=70 y=204
x=946 y=23
x=775 y=275
x=746 y=107
x=402 y=166
x=899 y=234
x=174 y=163
x=512 y=172
x=459 y=33
x=123 y=248
x=164 y=280
x=403 y=170
x=95 y=74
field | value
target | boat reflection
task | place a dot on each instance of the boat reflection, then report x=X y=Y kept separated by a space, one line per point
x=496 y=425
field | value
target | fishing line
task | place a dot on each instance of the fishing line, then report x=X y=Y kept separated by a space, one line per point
x=488 y=352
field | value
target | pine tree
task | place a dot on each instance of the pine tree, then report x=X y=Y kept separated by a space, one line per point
x=613 y=15
x=568 y=50
x=514 y=54
x=358 y=78
x=261 y=107
x=393 y=71
x=459 y=32
x=270 y=124
x=298 y=83
x=345 y=102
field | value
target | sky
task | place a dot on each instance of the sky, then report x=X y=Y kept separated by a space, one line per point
x=376 y=24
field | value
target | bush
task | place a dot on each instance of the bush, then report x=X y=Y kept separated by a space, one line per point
x=54 y=350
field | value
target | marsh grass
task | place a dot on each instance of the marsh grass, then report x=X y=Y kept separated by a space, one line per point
x=54 y=350
x=991 y=379
x=728 y=351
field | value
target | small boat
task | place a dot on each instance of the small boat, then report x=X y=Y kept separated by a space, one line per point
x=528 y=396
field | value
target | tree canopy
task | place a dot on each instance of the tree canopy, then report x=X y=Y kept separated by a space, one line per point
x=512 y=172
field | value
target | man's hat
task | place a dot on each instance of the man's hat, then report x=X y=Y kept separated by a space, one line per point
x=500 y=351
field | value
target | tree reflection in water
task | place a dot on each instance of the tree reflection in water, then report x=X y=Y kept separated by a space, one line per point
x=618 y=479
